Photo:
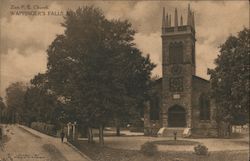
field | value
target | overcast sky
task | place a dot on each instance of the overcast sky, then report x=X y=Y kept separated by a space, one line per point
x=24 y=39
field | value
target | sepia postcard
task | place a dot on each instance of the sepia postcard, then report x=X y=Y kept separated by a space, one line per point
x=124 y=80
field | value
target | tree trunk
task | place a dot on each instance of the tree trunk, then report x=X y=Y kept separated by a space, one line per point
x=230 y=129
x=220 y=129
x=13 y=118
x=1 y=119
x=118 y=131
x=117 y=124
x=101 y=137
x=90 y=135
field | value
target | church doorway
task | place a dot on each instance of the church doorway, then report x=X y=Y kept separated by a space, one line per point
x=176 y=116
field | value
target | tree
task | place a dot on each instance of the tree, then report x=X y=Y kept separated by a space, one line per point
x=15 y=101
x=96 y=69
x=40 y=102
x=230 y=79
x=2 y=108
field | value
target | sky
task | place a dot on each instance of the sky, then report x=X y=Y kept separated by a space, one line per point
x=24 y=39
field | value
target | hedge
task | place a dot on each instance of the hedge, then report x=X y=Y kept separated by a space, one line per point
x=45 y=128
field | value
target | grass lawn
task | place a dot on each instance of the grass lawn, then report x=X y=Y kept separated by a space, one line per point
x=97 y=153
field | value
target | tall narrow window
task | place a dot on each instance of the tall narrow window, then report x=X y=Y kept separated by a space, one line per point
x=204 y=107
x=176 y=53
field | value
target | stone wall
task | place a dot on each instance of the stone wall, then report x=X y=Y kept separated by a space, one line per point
x=202 y=127
x=151 y=127
x=182 y=98
x=186 y=91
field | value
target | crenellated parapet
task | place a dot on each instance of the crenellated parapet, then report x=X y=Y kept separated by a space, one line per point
x=179 y=26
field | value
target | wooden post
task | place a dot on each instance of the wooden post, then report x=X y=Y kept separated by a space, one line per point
x=74 y=131
x=68 y=128
x=147 y=126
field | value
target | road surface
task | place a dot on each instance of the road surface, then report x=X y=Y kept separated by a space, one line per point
x=24 y=144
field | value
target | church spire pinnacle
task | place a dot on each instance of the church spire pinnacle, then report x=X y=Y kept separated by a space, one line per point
x=193 y=23
x=181 y=23
x=176 y=18
x=163 y=18
x=166 y=20
x=169 y=20
x=190 y=18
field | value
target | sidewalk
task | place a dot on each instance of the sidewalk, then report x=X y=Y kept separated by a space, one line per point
x=68 y=150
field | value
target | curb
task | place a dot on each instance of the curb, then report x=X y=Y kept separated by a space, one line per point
x=78 y=151
x=23 y=128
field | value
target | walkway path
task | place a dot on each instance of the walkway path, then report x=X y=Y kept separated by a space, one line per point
x=26 y=144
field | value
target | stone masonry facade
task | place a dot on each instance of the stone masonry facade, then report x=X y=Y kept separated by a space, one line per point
x=184 y=97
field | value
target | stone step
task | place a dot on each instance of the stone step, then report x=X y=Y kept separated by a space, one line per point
x=170 y=131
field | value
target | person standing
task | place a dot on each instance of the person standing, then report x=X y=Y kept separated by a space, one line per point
x=62 y=135
x=175 y=135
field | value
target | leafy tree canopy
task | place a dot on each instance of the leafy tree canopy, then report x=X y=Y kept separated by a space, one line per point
x=230 y=78
x=2 y=105
x=96 y=68
x=40 y=101
x=14 y=100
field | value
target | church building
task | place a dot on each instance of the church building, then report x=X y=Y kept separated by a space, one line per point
x=181 y=101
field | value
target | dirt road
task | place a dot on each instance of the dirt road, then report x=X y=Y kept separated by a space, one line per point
x=23 y=144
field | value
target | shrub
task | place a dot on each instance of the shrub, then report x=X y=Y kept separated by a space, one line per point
x=136 y=129
x=201 y=149
x=149 y=149
x=44 y=128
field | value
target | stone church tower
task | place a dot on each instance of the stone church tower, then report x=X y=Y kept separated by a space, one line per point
x=184 y=105
x=178 y=56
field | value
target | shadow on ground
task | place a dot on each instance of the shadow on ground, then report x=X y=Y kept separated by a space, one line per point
x=54 y=153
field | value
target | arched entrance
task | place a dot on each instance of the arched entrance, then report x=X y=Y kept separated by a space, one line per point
x=176 y=116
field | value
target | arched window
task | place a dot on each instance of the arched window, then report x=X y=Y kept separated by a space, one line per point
x=176 y=53
x=204 y=107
